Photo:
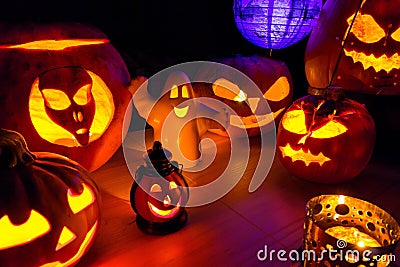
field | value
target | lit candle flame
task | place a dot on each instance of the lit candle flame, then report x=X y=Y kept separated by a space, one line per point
x=341 y=199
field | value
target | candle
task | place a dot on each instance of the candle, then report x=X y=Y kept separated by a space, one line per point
x=353 y=236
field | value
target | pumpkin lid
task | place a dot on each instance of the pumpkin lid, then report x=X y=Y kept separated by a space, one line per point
x=333 y=93
x=21 y=33
x=159 y=158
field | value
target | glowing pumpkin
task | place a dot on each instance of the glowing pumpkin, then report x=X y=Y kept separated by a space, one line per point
x=327 y=139
x=159 y=194
x=49 y=206
x=271 y=76
x=370 y=61
x=68 y=104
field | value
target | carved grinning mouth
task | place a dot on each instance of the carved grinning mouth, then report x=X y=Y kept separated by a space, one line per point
x=303 y=155
x=254 y=120
x=165 y=213
x=378 y=63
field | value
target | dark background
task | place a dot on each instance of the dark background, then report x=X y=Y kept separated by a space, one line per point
x=154 y=34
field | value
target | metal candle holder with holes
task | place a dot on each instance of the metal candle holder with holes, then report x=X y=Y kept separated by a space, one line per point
x=328 y=211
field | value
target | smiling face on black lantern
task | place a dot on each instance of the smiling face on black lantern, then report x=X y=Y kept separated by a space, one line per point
x=68 y=100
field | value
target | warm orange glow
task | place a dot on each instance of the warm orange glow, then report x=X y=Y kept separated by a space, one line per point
x=279 y=90
x=185 y=91
x=295 y=121
x=79 y=202
x=16 y=235
x=366 y=29
x=341 y=200
x=172 y=185
x=329 y=130
x=66 y=237
x=352 y=236
x=381 y=63
x=155 y=188
x=174 y=93
x=56 y=44
x=56 y=99
x=228 y=90
x=181 y=112
x=82 y=97
x=82 y=249
x=396 y=35
x=54 y=133
x=254 y=120
x=303 y=155
x=164 y=213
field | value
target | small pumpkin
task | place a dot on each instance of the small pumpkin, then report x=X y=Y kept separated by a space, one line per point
x=271 y=76
x=49 y=206
x=326 y=139
x=369 y=60
x=71 y=86
x=159 y=194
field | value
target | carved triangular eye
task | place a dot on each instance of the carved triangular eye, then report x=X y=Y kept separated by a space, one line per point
x=295 y=121
x=228 y=90
x=83 y=96
x=279 y=90
x=80 y=202
x=329 y=130
x=56 y=99
x=366 y=29
x=396 y=35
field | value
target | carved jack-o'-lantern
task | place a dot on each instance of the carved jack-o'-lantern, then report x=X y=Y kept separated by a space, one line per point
x=273 y=79
x=159 y=193
x=369 y=60
x=326 y=139
x=69 y=104
x=49 y=206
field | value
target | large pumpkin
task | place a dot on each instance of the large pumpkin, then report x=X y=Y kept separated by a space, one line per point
x=369 y=61
x=326 y=139
x=49 y=206
x=271 y=76
x=65 y=87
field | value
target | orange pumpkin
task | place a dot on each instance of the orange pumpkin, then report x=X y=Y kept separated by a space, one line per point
x=71 y=86
x=369 y=61
x=271 y=76
x=49 y=206
x=326 y=139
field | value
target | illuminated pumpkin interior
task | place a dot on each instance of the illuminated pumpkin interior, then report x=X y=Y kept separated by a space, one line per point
x=367 y=30
x=294 y=121
x=174 y=93
x=56 y=44
x=168 y=213
x=66 y=237
x=303 y=155
x=16 y=235
x=56 y=134
x=79 y=202
x=352 y=236
x=228 y=90
x=279 y=90
x=82 y=249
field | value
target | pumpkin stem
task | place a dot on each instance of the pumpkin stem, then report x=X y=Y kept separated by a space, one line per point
x=13 y=149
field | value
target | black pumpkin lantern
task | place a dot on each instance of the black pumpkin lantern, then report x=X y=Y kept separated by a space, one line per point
x=159 y=193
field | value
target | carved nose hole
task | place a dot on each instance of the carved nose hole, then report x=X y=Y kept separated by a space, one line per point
x=75 y=117
x=80 y=116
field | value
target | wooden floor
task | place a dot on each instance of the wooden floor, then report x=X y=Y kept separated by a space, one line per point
x=230 y=231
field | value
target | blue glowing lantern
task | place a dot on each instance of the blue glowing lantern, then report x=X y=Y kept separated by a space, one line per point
x=276 y=24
